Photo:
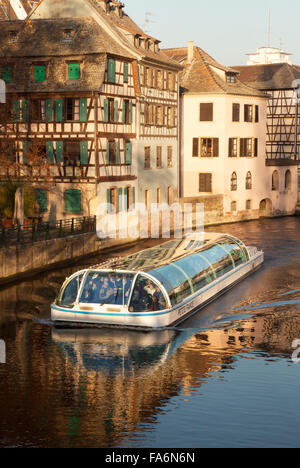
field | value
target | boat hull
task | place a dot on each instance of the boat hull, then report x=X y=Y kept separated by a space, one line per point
x=121 y=317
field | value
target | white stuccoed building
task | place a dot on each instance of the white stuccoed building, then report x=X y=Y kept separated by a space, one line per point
x=223 y=144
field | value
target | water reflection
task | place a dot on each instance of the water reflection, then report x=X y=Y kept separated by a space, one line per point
x=225 y=378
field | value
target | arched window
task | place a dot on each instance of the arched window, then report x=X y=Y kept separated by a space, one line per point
x=234 y=182
x=288 y=180
x=275 y=181
x=249 y=181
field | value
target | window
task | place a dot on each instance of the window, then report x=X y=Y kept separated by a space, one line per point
x=72 y=109
x=288 y=180
x=13 y=36
x=38 y=110
x=249 y=181
x=233 y=206
x=113 y=153
x=159 y=116
x=111 y=71
x=246 y=147
x=147 y=296
x=231 y=77
x=39 y=73
x=233 y=148
x=159 y=157
x=255 y=147
x=148 y=77
x=248 y=204
x=6 y=74
x=170 y=195
x=41 y=196
x=171 y=81
x=158 y=196
x=206 y=112
x=127 y=111
x=128 y=153
x=275 y=181
x=73 y=201
x=147 y=162
x=68 y=295
x=147 y=199
x=111 y=110
x=205 y=182
x=248 y=113
x=209 y=147
x=234 y=182
x=72 y=153
x=171 y=117
x=160 y=79
x=170 y=156
x=112 y=200
x=235 y=112
x=73 y=71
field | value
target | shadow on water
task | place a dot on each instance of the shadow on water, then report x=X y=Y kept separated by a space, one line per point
x=225 y=378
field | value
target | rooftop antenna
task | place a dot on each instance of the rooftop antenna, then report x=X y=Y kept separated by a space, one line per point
x=148 y=21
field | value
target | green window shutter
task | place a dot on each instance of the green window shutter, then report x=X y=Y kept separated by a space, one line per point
x=6 y=74
x=83 y=110
x=116 y=111
x=25 y=145
x=17 y=111
x=133 y=197
x=41 y=196
x=126 y=72
x=59 y=151
x=108 y=200
x=117 y=152
x=74 y=71
x=107 y=153
x=111 y=71
x=25 y=110
x=73 y=201
x=49 y=110
x=130 y=112
x=120 y=199
x=40 y=73
x=59 y=106
x=84 y=152
x=49 y=152
x=105 y=110
x=128 y=153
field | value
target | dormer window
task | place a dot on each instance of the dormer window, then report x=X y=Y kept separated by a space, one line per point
x=231 y=77
x=13 y=36
x=68 y=35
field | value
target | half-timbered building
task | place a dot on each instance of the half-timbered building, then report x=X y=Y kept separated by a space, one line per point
x=88 y=82
x=70 y=90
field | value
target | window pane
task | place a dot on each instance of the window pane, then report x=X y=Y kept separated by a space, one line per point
x=69 y=293
x=206 y=112
x=107 y=288
x=147 y=296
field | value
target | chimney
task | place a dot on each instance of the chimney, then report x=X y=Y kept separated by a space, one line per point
x=190 y=50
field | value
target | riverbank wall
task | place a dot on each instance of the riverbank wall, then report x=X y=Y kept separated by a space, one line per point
x=21 y=261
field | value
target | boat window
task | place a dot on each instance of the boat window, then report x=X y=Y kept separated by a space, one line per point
x=175 y=280
x=236 y=251
x=107 y=288
x=147 y=296
x=69 y=293
x=199 y=270
x=220 y=260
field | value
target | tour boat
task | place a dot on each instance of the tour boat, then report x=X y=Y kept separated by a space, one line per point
x=157 y=287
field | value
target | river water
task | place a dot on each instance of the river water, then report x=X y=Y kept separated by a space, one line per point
x=225 y=378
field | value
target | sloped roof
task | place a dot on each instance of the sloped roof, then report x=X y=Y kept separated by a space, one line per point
x=121 y=26
x=44 y=40
x=200 y=76
x=269 y=76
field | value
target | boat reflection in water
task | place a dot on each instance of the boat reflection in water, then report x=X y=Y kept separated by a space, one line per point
x=157 y=287
x=119 y=351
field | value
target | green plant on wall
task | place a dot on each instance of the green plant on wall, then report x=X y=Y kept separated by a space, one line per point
x=7 y=200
